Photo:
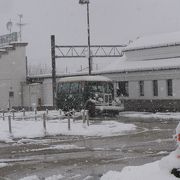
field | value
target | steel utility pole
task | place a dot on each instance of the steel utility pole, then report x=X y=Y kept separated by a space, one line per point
x=53 y=57
x=88 y=30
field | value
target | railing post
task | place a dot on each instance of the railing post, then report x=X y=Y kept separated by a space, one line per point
x=73 y=115
x=87 y=117
x=3 y=115
x=9 y=122
x=83 y=116
x=24 y=112
x=35 y=112
x=13 y=115
x=69 y=122
x=60 y=112
x=44 y=123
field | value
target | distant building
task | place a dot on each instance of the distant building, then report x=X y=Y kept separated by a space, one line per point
x=12 y=73
x=147 y=78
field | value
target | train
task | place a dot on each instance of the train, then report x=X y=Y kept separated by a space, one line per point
x=93 y=93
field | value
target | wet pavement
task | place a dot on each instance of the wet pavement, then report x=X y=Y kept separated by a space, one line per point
x=88 y=157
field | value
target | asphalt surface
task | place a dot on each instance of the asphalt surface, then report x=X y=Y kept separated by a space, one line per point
x=89 y=157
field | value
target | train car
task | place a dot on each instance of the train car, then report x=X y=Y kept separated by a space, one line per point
x=93 y=93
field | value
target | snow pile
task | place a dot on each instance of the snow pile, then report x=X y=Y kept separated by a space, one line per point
x=54 y=177
x=30 y=178
x=32 y=129
x=58 y=147
x=172 y=161
x=3 y=165
x=66 y=147
x=159 y=170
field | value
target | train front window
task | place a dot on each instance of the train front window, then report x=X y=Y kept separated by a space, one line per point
x=65 y=87
x=74 y=87
x=100 y=87
x=110 y=88
x=95 y=87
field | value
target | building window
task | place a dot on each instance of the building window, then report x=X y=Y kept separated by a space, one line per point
x=141 y=88
x=169 y=87
x=155 y=88
x=123 y=88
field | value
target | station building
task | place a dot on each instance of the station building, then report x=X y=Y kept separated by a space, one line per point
x=146 y=78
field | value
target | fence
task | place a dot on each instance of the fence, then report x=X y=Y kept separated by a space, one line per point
x=44 y=117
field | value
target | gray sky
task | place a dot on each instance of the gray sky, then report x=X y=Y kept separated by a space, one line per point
x=111 y=22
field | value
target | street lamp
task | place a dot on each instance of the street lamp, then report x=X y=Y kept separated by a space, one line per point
x=88 y=30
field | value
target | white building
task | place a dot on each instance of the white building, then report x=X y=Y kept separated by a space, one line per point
x=12 y=74
x=148 y=76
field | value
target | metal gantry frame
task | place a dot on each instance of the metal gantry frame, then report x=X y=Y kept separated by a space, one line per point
x=97 y=51
x=80 y=51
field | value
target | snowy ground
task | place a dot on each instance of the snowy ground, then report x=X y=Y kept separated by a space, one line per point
x=55 y=177
x=28 y=127
x=31 y=128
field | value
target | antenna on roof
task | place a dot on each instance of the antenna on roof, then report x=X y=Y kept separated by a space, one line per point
x=9 y=25
x=20 y=24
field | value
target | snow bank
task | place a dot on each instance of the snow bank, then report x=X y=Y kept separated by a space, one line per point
x=3 y=165
x=54 y=177
x=30 y=178
x=32 y=129
x=58 y=147
x=159 y=170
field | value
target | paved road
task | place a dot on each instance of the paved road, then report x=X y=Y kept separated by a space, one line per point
x=88 y=157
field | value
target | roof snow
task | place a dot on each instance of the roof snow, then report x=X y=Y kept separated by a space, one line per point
x=153 y=41
x=122 y=65
x=84 y=78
